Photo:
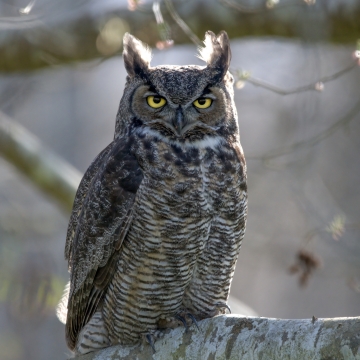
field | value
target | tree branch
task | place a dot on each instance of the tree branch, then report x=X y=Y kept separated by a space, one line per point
x=49 y=172
x=316 y=85
x=267 y=6
x=57 y=34
x=236 y=337
x=184 y=27
x=314 y=140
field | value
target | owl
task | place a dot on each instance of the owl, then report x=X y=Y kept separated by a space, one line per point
x=160 y=214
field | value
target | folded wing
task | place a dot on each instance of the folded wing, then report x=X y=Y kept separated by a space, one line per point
x=100 y=219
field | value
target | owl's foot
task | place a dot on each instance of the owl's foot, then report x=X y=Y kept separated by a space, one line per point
x=183 y=318
x=219 y=308
x=151 y=336
x=223 y=306
x=151 y=342
x=192 y=317
x=93 y=336
x=185 y=322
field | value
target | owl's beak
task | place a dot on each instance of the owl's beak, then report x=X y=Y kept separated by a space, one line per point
x=179 y=121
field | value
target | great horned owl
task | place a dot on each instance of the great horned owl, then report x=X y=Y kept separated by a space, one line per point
x=160 y=214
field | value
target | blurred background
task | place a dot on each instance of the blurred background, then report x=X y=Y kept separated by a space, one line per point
x=296 y=65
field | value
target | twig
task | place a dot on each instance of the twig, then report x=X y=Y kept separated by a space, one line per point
x=182 y=24
x=269 y=5
x=26 y=10
x=313 y=140
x=28 y=21
x=311 y=86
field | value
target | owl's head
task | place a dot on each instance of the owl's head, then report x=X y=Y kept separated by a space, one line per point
x=184 y=104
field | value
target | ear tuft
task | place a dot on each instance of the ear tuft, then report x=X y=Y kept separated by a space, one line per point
x=206 y=52
x=216 y=53
x=137 y=56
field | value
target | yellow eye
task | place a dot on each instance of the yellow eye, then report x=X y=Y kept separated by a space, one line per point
x=202 y=103
x=155 y=101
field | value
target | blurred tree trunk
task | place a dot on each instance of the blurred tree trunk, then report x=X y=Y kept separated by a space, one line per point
x=234 y=337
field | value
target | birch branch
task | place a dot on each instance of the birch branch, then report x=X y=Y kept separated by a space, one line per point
x=49 y=172
x=236 y=337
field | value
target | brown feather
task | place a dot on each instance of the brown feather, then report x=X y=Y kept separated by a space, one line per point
x=101 y=224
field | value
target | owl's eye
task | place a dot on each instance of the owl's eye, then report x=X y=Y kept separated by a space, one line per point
x=202 y=103
x=155 y=101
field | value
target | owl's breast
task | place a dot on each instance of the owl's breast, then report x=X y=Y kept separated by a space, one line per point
x=183 y=189
x=189 y=181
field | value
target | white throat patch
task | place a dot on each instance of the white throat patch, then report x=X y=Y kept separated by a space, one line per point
x=207 y=142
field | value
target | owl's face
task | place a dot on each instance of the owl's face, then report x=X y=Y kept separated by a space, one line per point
x=181 y=103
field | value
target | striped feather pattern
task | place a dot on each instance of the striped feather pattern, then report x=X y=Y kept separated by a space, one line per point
x=93 y=335
x=181 y=249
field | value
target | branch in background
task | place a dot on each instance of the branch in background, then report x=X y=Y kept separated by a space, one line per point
x=243 y=8
x=182 y=23
x=313 y=140
x=243 y=76
x=317 y=85
x=164 y=29
x=64 y=32
x=49 y=172
x=233 y=337
x=269 y=5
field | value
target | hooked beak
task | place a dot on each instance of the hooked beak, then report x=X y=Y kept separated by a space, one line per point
x=179 y=120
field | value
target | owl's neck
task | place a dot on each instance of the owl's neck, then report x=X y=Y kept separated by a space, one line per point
x=209 y=141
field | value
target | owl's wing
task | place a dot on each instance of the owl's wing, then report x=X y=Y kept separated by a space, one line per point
x=80 y=196
x=100 y=220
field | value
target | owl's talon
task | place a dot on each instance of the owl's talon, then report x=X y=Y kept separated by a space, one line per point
x=150 y=341
x=193 y=320
x=222 y=305
x=179 y=317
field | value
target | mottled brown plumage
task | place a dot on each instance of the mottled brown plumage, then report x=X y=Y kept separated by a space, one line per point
x=160 y=214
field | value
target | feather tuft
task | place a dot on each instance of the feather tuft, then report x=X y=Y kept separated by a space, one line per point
x=61 y=310
x=206 y=53
x=137 y=56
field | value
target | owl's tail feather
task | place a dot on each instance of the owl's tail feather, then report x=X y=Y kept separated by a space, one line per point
x=61 y=310
x=93 y=336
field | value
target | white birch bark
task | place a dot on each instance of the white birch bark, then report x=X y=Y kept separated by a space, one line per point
x=249 y=338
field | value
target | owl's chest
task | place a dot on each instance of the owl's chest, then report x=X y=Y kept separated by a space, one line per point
x=186 y=181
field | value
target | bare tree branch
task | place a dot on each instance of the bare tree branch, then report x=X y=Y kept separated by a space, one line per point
x=63 y=32
x=245 y=76
x=235 y=337
x=182 y=23
x=49 y=172
x=313 y=140
x=269 y=5
x=316 y=85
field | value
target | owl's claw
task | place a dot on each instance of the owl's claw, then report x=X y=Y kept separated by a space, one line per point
x=186 y=318
x=222 y=305
x=193 y=320
x=182 y=319
x=150 y=341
